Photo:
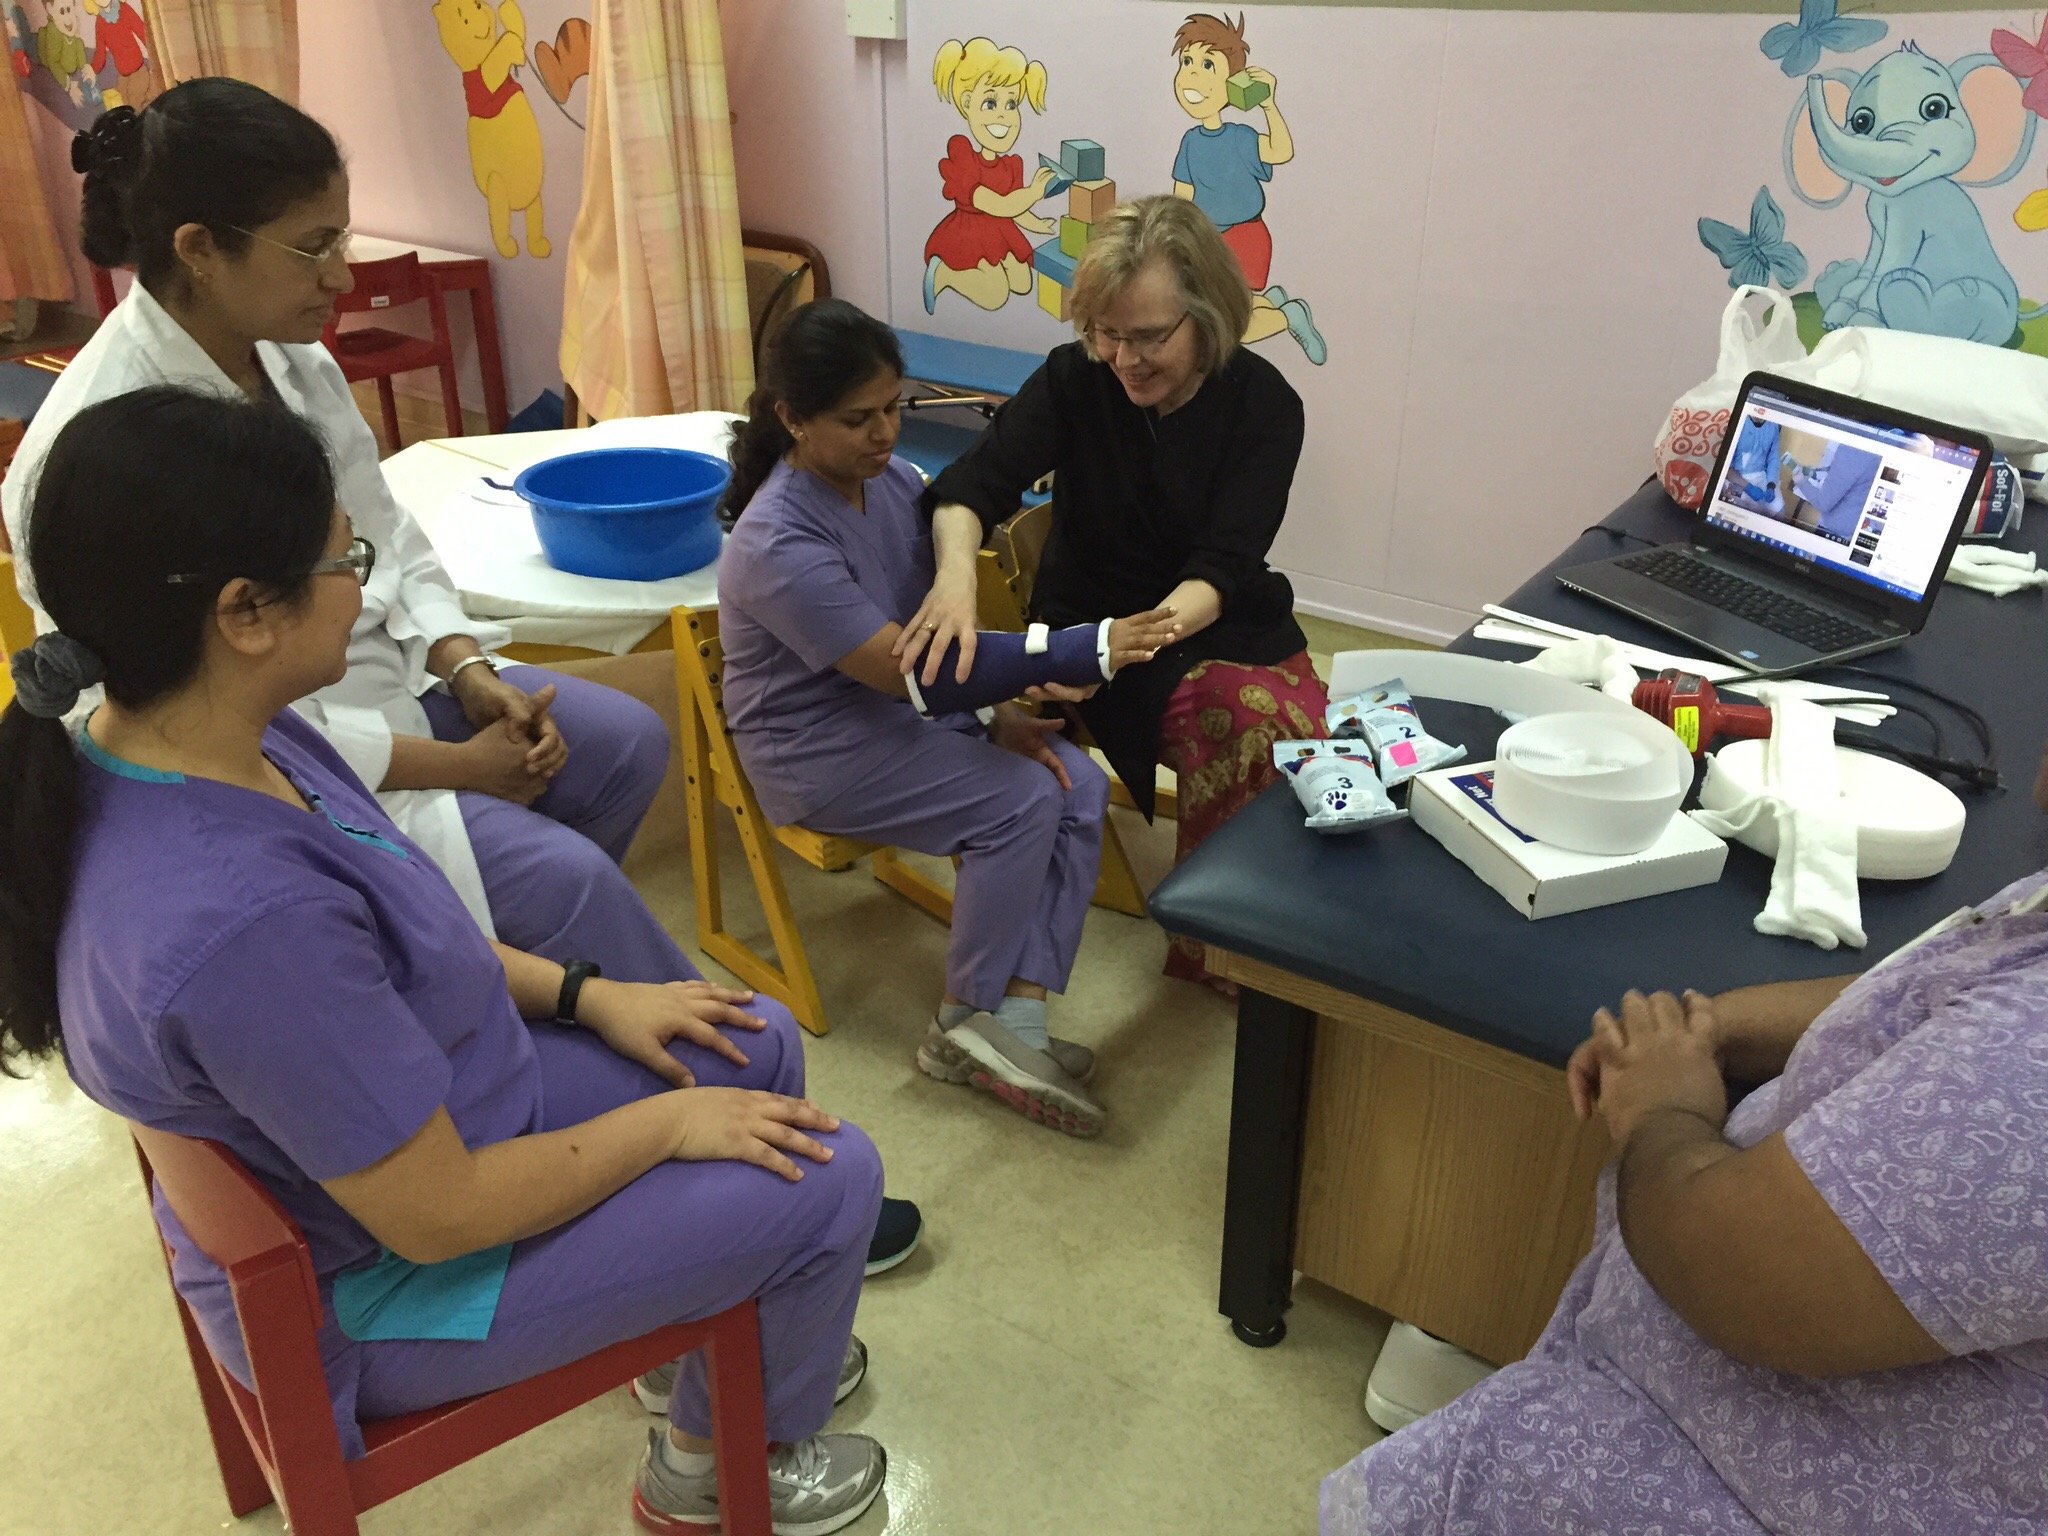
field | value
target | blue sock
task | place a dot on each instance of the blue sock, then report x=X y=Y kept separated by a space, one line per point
x=1025 y=1017
x=954 y=1013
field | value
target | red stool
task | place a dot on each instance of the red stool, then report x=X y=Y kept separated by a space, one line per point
x=279 y=1442
x=375 y=353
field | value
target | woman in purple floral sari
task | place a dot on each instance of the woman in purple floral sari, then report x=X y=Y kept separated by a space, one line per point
x=1823 y=1315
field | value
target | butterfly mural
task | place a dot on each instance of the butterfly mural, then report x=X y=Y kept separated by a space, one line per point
x=2027 y=62
x=1798 y=45
x=1760 y=254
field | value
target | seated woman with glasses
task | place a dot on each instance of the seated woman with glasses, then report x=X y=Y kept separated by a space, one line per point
x=1174 y=450
x=216 y=924
x=525 y=787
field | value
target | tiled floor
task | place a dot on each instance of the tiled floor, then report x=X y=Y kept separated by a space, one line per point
x=1051 y=1360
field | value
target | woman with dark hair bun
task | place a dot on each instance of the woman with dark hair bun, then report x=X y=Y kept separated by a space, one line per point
x=524 y=786
x=828 y=560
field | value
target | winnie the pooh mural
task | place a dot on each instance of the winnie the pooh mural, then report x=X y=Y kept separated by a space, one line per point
x=504 y=139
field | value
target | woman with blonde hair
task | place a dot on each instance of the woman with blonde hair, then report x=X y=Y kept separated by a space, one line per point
x=979 y=249
x=1175 y=450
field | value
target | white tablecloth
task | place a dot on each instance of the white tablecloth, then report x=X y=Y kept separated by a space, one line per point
x=485 y=535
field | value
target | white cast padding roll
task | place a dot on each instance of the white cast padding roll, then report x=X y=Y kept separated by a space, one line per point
x=1602 y=783
x=1907 y=825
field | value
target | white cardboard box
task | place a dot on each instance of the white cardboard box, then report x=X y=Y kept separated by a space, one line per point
x=1455 y=806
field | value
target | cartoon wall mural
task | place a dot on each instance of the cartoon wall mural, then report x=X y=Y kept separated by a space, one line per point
x=563 y=62
x=1912 y=142
x=1798 y=45
x=78 y=58
x=979 y=250
x=487 y=44
x=1914 y=133
x=121 y=40
x=1224 y=166
x=2027 y=62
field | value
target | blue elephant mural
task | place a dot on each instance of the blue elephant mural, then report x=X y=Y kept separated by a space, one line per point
x=1913 y=133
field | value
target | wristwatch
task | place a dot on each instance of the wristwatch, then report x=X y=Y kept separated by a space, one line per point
x=481 y=659
x=574 y=974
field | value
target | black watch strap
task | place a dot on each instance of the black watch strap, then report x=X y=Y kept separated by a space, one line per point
x=574 y=974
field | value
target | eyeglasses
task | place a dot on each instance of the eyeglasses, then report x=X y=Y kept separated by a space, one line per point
x=334 y=245
x=360 y=560
x=1104 y=342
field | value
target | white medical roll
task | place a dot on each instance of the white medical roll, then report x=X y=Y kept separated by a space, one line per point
x=1603 y=784
x=1908 y=825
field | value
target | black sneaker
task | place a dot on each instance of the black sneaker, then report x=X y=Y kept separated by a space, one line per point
x=897 y=1231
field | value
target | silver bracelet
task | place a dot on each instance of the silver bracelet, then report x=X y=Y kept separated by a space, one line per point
x=469 y=661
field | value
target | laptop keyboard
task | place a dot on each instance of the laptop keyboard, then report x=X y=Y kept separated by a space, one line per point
x=1746 y=599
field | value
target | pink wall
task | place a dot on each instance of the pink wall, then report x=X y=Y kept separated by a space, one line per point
x=1494 y=214
x=808 y=134
x=374 y=72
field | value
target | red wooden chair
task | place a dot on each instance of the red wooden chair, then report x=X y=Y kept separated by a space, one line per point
x=372 y=352
x=279 y=1442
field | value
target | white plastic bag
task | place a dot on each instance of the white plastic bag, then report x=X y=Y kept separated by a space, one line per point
x=1753 y=335
x=1998 y=391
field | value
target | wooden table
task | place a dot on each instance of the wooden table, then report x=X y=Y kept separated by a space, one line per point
x=1399 y=1124
x=457 y=272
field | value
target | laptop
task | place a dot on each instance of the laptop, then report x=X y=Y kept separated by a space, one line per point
x=1828 y=525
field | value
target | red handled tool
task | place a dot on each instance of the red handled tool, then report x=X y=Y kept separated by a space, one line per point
x=1688 y=704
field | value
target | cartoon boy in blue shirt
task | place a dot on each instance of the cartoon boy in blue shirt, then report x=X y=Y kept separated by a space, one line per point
x=1223 y=167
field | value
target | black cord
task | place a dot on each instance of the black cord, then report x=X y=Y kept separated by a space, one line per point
x=1978 y=724
x=1969 y=775
x=1934 y=730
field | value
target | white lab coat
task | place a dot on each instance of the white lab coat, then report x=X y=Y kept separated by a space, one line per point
x=409 y=604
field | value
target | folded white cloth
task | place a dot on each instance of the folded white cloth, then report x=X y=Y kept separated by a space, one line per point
x=1813 y=886
x=2000 y=572
x=1596 y=660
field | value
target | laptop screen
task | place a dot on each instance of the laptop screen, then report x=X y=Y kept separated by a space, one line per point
x=1849 y=493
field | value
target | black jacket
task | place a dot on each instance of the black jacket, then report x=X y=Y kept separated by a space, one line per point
x=1142 y=503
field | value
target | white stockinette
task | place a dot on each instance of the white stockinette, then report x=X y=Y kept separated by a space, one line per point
x=1813 y=885
x=2001 y=572
x=1596 y=661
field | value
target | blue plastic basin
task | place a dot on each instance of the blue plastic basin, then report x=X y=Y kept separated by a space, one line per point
x=627 y=514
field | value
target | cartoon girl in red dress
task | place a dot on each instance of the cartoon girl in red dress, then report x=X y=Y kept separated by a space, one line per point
x=979 y=249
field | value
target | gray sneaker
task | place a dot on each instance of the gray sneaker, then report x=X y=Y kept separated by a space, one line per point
x=1029 y=1080
x=817 y=1485
x=653 y=1389
x=941 y=1058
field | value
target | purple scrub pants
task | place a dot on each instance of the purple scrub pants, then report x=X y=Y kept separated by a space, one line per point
x=551 y=870
x=1029 y=851
x=679 y=1243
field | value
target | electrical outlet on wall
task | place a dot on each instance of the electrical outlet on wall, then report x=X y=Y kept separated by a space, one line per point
x=876 y=18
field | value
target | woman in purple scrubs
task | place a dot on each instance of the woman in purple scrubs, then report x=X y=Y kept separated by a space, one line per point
x=501 y=1163
x=829 y=558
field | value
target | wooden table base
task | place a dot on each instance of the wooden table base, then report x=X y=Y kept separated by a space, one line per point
x=1441 y=1180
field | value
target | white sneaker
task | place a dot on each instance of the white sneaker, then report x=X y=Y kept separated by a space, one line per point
x=941 y=1058
x=815 y=1486
x=1416 y=1374
x=1029 y=1080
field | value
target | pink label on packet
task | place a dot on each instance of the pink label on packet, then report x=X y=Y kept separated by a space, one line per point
x=1403 y=754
